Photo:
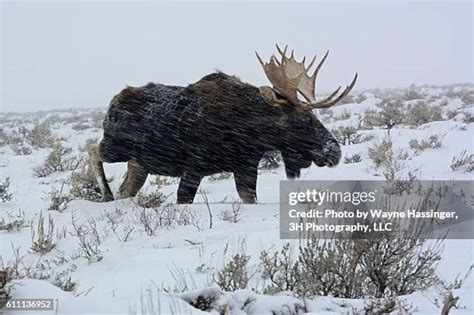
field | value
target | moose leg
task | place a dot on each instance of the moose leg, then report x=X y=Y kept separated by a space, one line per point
x=188 y=186
x=246 y=184
x=97 y=160
x=134 y=180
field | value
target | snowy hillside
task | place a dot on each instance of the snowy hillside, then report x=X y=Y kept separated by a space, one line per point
x=148 y=255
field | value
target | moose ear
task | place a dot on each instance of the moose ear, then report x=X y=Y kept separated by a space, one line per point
x=271 y=96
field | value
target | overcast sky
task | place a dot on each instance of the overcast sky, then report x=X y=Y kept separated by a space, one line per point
x=61 y=55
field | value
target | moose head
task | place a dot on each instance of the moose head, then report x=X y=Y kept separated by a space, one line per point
x=305 y=139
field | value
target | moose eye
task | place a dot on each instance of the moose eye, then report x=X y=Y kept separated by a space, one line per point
x=307 y=119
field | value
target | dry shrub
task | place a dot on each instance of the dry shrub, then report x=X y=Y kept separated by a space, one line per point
x=234 y=214
x=381 y=266
x=451 y=113
x=270 y=160
x=152 y=219
x=16 y=138
x=280 y=269
x=381 y=153
x=4 y=288
x=390 y=163
x=391 y=114
x=388 y=304
x=21 y=149
x=64 y=281
x=465 y=95
x=352 y=269
x=220 y=176
x=432 y=142
x=355 y=158
x=422 y=113
x=3 y=137
x=446 y=296
x=361 y=97
x=463 y=161
x=44 y=239
x=322 y=267
x=89 y=239
x=59 y=159
x=14 y=225
x=468 y=118
x=161 y=181
x=343 y=116
x=347 y=135
x=234 y=273
x=120 y=228
x=153 y=199
x=81 y=126
x=40 y=136
x=14 y=222
x=412 y=94
x=59 y=199
x=42 y=270
x=5 y=195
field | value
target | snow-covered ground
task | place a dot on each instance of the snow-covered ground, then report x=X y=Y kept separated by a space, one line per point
x=134 y=276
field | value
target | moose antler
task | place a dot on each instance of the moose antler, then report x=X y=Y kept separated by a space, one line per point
x=289 y=77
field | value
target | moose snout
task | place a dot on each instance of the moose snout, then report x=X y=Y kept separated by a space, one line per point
x=331 y=153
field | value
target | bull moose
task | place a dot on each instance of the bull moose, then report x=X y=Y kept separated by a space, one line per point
x=218 y=124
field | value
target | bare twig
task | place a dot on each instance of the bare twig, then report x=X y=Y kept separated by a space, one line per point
x=206 y=201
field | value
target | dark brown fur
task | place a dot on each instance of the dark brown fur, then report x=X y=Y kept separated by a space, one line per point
x=216 y=124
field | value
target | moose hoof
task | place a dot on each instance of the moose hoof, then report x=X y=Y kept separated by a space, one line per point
x=184 y=202
x=251 y=200
x=107 y=198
